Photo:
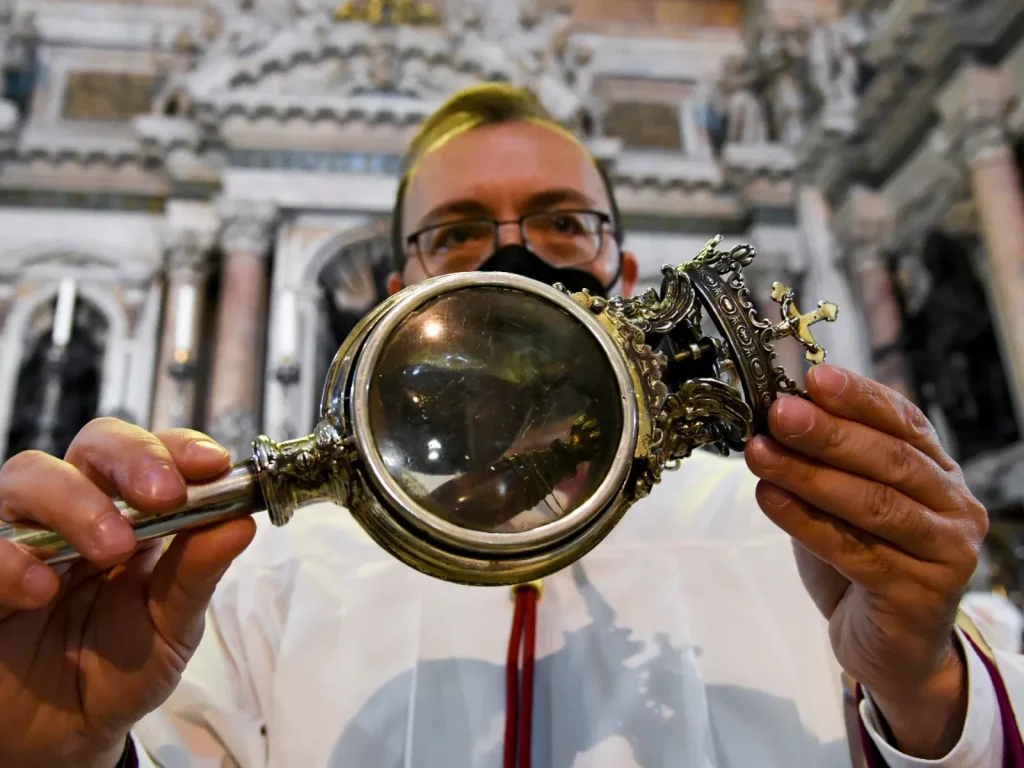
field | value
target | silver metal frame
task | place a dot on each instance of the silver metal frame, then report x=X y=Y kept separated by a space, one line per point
x=451 y=535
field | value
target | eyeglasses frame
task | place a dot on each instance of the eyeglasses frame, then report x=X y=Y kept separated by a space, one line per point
x=605 y=230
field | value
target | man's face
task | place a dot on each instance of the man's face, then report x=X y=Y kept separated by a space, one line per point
x=503 y=172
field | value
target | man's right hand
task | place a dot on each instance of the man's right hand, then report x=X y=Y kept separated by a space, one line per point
x=87 y=650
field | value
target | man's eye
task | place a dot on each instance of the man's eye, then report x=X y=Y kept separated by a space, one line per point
x=456 y=236
x=567 y=224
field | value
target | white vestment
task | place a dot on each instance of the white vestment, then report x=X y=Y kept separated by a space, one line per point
x=686 y=639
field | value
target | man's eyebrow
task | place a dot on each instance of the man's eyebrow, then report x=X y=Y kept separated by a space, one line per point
x=552 y=197
x=464 y=208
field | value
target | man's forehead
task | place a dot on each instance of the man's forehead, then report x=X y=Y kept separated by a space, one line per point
x=499 y=165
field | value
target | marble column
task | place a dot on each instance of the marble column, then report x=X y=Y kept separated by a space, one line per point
x=187 y=269
x=974 y=107
x=863 y=225
x=844 y=340
x=237 y=370
x=996 y=183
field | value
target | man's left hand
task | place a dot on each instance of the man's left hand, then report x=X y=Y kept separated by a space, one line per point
x=886 y=535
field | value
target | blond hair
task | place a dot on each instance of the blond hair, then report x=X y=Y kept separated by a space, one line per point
x=478 y=105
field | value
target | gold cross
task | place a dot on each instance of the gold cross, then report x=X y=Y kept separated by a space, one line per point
x=799 y=325
x=387 y=12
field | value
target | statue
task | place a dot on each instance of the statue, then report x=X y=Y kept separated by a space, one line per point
x=415 y=78
x=745 y=121
x=790 y=107
x=699 y=120
x=22 y=40
x=834 y=67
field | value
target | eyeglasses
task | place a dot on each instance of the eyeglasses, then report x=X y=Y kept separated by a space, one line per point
x=561 y=238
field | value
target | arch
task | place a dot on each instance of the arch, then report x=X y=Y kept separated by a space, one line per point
x=65 y=254
x=12 y=346
x=293 y=406
x=328 y=247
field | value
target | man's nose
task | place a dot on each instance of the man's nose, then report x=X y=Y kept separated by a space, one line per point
x=509 y=233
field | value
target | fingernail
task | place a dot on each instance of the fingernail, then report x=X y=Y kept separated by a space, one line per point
x=114 y=536
x=765 y=454
x=160 y=482
x=206 y=450
x=37 y=584
x=830 y=380
x=795 y=416
x=774 y=497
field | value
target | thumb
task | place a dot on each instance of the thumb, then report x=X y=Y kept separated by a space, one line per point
x=185 y=577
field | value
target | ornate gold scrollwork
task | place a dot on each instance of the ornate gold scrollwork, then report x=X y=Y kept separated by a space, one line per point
x=718 y=278
x=706 y=411
x=654 y=312
x=303 y=471
x=647 y=366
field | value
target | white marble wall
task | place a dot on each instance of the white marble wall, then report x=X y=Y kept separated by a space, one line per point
x=116 y=259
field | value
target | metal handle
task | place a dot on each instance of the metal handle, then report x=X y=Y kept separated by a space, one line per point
x=234 y=494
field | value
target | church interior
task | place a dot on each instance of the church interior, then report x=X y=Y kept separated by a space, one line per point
x=195 y=194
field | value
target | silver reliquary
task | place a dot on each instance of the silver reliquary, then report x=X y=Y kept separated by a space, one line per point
x=485 y=428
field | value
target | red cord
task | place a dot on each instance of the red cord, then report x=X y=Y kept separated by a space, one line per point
x=512 y=681
x=526 y=694
x=519 y=693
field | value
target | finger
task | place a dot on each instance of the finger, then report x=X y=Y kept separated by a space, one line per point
x=51 y=492
x=185 y=577
x=867 y=402
x=25 y=583
x=127 y=461
x=872 y=507
x=826 y=586
x=854 y=553
x=862 y=450
x=196 y=456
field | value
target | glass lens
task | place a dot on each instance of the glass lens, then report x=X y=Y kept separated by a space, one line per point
x=565 y=239
x=495 y=410
x=456 y=247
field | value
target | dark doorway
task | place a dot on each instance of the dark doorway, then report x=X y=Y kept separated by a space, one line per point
x=351 y=283
x=954 y=352
x=58 y=394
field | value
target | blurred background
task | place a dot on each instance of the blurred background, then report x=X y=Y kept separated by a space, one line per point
x=194 y=194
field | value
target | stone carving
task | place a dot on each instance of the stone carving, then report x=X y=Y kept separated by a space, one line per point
x=744 y=114
x=835 y=71
x=981 y=137
x=21 y=39
x=790 y=107
x=698 y=122
x=247 y=225
x=187 y=254
x=287 y=46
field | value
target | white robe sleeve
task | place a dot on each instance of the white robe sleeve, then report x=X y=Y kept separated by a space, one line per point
x=213 y=718
x=981 y=743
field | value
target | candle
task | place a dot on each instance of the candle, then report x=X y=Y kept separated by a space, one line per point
x=288 y=325
x=64 y=314
x=184 y=314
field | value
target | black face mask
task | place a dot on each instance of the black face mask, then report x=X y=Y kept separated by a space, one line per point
x=520 y=260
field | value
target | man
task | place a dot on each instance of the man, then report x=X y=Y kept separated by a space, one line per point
x=685 y=639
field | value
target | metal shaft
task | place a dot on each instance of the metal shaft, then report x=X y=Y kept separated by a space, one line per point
x=233 y=495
